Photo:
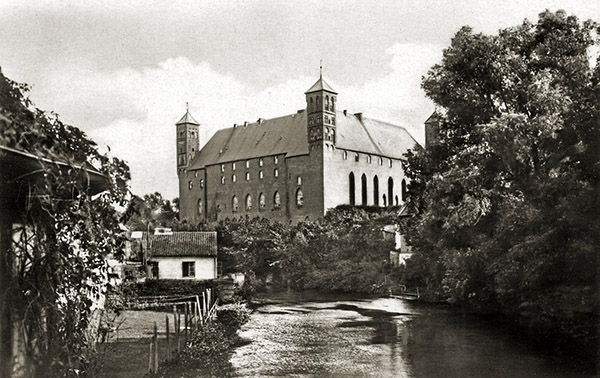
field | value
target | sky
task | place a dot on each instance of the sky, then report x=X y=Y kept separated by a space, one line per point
x=123 y=70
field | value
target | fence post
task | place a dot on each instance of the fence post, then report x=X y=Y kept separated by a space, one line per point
x=155 y=347
x=178 y=331
x=168 y=339
x=185 y=330
x=150 y=357
x=199 y=310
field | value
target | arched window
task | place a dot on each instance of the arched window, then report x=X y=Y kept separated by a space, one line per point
x=352 y=192
x=396 y=200
x=262 y=202
x=234 y=204
x=248 y=202
x=276 y=172
x=326 y=102
x=299 y=198
x=276 y=200
x=404 y=193
x=200 y=207
x=363 y=189
x=390 y=190
x=332 y=104
x=376 y=191
x=384 y=201
x=310 y=107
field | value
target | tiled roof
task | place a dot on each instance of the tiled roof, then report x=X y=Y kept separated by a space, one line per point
x=184 y=244
x=288 y=135
x=320 y=85
x=187 y=118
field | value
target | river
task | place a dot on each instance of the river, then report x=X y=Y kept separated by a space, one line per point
x=307 y=335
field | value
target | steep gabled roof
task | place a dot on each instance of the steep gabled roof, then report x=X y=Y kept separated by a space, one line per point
x=190 y=244
x=321 y=85
x=288 y=135
x=187 y=118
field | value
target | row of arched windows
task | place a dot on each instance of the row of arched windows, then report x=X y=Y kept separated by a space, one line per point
x=262 y=201
x=387 y=200
x=314 y=104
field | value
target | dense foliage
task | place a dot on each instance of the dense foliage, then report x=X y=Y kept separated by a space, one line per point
x=508 y=202
x=59 y=261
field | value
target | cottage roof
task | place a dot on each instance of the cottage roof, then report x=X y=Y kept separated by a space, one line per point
x=288 y=135
x=184 y=244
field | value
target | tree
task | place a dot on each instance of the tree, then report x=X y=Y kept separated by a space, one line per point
x=508 y=202
x=151 y=211
x=64 y=237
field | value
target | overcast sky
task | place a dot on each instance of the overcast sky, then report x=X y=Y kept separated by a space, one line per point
x=122 y=71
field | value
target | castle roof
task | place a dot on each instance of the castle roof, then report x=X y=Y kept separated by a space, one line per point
x=187 y=118
x=288 y=135
x=321 y=85
x=184 y=244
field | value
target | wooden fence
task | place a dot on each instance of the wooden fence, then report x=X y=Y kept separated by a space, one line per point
x=194 y=310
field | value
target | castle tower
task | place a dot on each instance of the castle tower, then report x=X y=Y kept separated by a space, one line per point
x=432 y=130
x=321 y=101
x=188 y=142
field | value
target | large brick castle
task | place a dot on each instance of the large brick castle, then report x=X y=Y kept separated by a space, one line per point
x=292 y=167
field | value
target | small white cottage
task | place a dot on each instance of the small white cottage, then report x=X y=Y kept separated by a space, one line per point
x=183 y=255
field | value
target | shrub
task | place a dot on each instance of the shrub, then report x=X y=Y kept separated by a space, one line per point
x=233 y=316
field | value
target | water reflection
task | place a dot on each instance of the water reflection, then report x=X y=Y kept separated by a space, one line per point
x=381 y=337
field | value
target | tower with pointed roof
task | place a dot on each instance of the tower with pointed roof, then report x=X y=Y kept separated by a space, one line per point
x=188 y=142
x=321 y=101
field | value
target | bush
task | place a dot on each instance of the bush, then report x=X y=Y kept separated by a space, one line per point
x=233 y=316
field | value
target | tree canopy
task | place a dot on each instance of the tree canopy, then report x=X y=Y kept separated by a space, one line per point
x=508 y=201
x=58 y=263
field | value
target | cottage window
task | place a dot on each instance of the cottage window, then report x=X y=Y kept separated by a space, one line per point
x=299 y=198
x=276 y=200
x=188 y=269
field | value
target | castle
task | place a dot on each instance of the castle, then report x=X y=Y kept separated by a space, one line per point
x=291 y=168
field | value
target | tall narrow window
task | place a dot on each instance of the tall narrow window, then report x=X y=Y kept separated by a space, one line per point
x=396 y=200
x=390 y=190
x=233 y=178
x=247 y=163
x=248 y=202
x=276 y=172
x=404 y=193
x=200 y=207
x=190 y=184
x=299 y=180
x=345 y=155
x=262 y=202
x=223 y=180
x=233 y=166
x=260 y=162
x=202 y=183
x=363 y=189
x=351 y=189
x=376 y=191
x=332 y=104
x=234 y=204
x=261 y=175
x=299 y=198
x=276 y=159
x=380 y=160
x=188 y=269
x=356 y=157
x=276 y=200
x=222 y=167
x=369 y=159
x=390 y=162
x=384 y=200
x=247 y=176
